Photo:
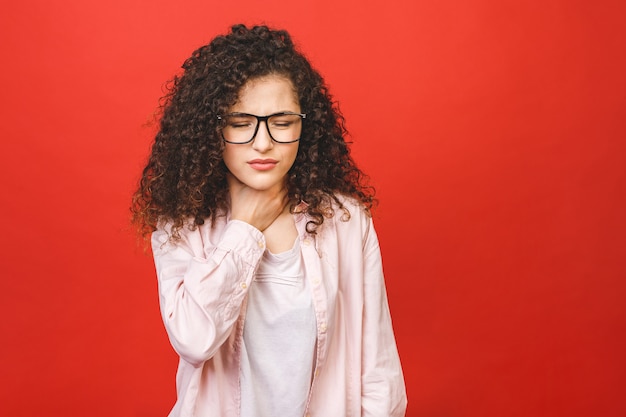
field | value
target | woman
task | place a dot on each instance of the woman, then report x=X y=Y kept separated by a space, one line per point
x=270 y=277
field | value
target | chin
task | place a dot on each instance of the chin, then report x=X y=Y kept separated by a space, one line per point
x=260 y=185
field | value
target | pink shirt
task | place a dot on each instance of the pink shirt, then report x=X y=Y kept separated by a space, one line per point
x=203 y=282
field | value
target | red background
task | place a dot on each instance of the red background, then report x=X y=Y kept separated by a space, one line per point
x=494 y=131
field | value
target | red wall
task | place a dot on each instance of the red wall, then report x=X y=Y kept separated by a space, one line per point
x=494 y=130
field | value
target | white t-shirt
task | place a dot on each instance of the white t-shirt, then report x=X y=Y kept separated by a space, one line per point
x=278 y=338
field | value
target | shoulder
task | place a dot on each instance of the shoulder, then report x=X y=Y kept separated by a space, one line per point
x=349 y=234
x=348 y=208
x=349 y=217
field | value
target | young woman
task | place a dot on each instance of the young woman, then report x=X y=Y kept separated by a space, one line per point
x=270 y=276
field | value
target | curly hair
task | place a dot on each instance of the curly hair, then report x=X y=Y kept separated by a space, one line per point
x=184 y=181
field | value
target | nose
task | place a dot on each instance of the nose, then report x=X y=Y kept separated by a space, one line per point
x=262 y=141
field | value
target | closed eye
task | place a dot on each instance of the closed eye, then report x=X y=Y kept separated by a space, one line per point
x=240 y=125
x=282 y=124
x=240 y=122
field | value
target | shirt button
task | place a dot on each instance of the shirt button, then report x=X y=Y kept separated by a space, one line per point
x=316 y=281
x=261 y=244
x=243 y=285
x=307 y=242
x=323 y=327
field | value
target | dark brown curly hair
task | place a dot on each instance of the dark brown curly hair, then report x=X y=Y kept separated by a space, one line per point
x=184 y=180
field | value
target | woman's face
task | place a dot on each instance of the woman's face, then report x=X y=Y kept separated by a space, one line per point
x=263 y=163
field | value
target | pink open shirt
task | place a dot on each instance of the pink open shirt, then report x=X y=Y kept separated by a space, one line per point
x=203 y=282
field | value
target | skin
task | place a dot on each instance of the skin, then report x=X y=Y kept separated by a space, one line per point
x=259 y=197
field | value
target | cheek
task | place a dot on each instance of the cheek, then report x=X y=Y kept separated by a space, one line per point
x=291 y=156
x=229 y=156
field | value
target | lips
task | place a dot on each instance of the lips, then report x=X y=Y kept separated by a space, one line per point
x=262 y=164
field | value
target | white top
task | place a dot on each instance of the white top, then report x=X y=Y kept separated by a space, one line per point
x=278 y=338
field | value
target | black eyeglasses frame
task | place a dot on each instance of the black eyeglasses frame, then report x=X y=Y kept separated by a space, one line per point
x=258 y=123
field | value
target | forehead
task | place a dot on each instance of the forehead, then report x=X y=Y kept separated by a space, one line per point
x=269 y=93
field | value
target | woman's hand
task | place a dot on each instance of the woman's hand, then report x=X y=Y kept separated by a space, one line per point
x=258 y=208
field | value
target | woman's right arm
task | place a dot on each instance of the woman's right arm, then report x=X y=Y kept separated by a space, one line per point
x=202 y=288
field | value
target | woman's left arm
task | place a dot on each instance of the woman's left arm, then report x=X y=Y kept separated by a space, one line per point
x=383 y=389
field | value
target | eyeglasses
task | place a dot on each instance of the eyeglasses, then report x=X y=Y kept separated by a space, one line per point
x=241 y=128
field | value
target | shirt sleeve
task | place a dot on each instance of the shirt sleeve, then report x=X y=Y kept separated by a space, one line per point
x=383 y=388
x=202 y=287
